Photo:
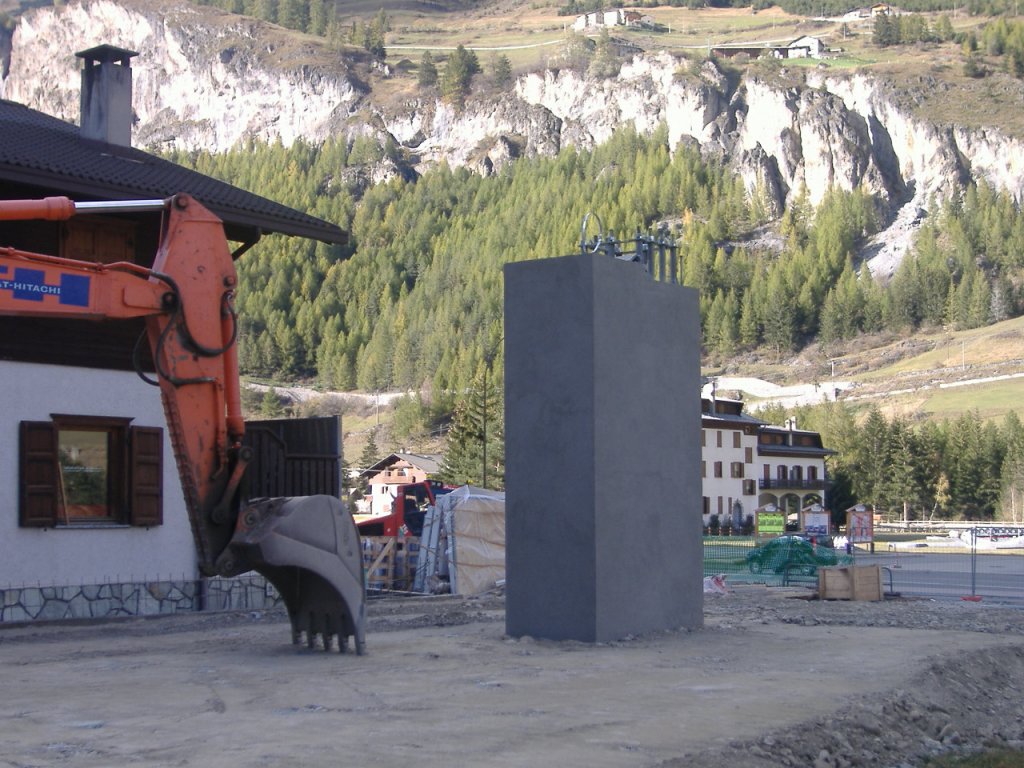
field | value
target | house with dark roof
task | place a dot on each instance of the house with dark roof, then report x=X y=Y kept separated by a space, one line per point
x=72 y=398
x=792 y=460
x=393 y=470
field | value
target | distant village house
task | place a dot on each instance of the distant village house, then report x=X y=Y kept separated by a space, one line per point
x=392 y=471
x=801 y=48
x=614 y=18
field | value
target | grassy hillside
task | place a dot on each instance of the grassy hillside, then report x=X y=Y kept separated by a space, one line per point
x=939 y=374
x=930 y=375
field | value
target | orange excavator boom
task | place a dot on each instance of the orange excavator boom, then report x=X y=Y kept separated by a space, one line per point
x=308 y=547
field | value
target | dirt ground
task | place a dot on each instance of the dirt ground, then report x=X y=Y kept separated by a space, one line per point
x=771 y=680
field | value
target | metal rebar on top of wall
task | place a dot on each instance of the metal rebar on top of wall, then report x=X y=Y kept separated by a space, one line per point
x=657 y=252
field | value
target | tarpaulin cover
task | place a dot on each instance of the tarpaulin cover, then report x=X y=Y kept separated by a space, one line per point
x=475 y=521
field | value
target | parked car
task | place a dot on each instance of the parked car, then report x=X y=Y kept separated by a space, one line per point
x=817 y=539
x=793 y=551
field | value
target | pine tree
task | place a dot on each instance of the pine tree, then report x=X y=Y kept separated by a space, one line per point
x=478 y=421
x=427 y=76
x=270 y=405
x=371 y=453
x=885 y=31
x=872 y=464
x=293 y=14
x=750 y=329
x=501 y=71
x=779 y=320
x=458 y=74
x=319 y=17
x=900 y=487
x=376 y=32
x=966 y=466
x=1011 y=501
x=605 y=62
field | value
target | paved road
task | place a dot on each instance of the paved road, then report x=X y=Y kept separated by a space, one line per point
x=995 y=576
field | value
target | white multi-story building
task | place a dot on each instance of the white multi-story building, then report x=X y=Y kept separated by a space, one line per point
x=746 y=464
x=792 y=467
x=728 y=439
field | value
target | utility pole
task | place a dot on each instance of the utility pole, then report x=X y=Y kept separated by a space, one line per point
x=483 y=472
x=488 y=359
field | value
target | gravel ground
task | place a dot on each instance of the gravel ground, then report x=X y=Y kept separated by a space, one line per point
x=962 y=703
x=664 y=700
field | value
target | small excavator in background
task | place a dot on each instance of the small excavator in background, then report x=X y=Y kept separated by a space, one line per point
x=308 y=547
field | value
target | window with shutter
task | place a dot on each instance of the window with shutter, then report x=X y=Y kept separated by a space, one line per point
x=88 y=471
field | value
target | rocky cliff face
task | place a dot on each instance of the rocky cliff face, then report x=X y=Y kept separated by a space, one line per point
x=205 y=79
x=202 y=78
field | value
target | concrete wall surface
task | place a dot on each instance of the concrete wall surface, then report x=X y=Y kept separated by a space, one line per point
x=603 y=488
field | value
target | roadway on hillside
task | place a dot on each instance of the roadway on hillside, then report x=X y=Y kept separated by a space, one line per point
x=793 y=395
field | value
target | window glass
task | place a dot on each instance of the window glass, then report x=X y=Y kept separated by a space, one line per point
x=84 y=474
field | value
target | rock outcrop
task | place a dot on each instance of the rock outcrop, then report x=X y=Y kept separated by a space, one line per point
x=207 y=79
x=203 y=78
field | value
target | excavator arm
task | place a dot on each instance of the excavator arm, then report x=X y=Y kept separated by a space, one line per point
x=308 y=547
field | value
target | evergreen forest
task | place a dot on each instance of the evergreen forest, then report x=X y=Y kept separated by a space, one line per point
x=414 y=300
x=962 y=468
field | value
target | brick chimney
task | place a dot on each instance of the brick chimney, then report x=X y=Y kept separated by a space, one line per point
x=106 y=113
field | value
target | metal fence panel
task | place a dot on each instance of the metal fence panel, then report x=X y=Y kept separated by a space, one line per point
x=984 y=562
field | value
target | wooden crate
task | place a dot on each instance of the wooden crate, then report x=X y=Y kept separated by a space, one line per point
x=850 y=582
x=389 y=562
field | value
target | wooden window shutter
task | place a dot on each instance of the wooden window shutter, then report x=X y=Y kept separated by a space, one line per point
x=147 y=473
x=38 y=475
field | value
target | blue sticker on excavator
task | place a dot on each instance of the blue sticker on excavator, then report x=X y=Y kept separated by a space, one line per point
x=31 y=285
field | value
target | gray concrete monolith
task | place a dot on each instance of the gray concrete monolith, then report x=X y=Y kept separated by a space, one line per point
x=602 y=465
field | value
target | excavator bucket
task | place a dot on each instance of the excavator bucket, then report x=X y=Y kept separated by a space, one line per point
x=308 y=548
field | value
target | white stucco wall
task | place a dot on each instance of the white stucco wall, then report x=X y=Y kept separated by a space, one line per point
x=74 y=556
x=727 y=487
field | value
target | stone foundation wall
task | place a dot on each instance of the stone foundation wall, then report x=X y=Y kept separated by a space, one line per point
x=97 y=601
